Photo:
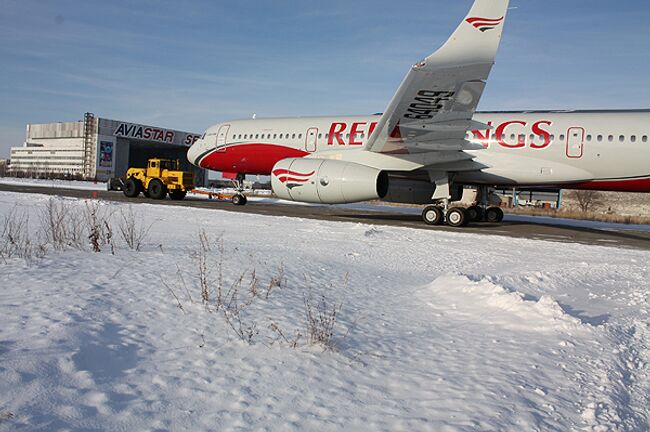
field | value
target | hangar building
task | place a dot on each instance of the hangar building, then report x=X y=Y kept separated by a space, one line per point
x=98 y=148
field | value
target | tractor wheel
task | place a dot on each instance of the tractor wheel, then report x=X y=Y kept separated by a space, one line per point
x=157 y=189
x=177 y=195
x=132 y=187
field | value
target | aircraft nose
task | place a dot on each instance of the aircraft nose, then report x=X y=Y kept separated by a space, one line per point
x=194 y=152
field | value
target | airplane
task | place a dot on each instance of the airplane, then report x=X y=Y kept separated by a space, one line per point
x=429 y=143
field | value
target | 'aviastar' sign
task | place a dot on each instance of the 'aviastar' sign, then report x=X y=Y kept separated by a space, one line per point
x=144 y=133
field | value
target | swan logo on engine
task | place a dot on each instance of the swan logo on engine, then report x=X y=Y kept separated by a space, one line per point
x=484 y=24
x=292 y=179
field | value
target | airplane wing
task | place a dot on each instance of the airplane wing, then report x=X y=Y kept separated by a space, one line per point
x=432 y=109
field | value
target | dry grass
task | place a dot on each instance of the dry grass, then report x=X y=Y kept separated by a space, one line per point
x=580 y=215
x=132 y=230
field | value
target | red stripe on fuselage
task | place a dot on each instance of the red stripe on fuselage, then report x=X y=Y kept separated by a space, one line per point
x=632 y=185
x=249 y=158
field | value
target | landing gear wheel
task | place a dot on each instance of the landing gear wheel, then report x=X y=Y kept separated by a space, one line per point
x=177 y=195
x=457 y=217
x=475 y=213
x=157 y=189
x=494 y=215
x=239 y=199
x=132 y=187
x=433 y=215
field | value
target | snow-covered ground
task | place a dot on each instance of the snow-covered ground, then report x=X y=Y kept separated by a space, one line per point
x=437 y=330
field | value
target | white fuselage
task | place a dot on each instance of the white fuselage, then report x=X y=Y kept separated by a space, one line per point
x=607 y=150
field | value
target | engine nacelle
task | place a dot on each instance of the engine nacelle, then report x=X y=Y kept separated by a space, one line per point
x=327 y=181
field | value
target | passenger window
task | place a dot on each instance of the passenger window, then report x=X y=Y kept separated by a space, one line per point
x=562 y=137
x=610 y=138
x=588 y=137
x=645 y=138
x=293 y=136
x=532 y=137
x=300 y=136
x=553 y=137
x=275 y=136
x=600 y=138
x=320 y=135
x=633 y=138
x=257 y=136
x=621 y=138
x=280 y=136
x=245 y=136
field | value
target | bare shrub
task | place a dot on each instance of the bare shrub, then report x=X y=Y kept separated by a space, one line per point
x=240 y=296
x=587 y=200
x=100 y=232
x=15 y=240
x=320 y=315
x=132 y=231
x=61 y=225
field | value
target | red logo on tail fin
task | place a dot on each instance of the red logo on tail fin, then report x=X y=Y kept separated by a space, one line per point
x=484 y=24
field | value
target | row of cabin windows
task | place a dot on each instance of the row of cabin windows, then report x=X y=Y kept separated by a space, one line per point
x=589 y=138
x=292 y=136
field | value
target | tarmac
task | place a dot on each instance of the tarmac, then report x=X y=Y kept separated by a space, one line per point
x=531 y=227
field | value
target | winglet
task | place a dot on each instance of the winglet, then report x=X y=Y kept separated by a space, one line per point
x=477 y=38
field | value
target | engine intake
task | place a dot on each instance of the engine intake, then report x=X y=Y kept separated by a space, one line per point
x=326 y=181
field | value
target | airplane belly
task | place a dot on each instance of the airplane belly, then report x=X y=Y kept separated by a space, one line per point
x=501 y=168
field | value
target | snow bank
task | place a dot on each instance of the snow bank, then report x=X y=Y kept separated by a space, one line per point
x=491 y=304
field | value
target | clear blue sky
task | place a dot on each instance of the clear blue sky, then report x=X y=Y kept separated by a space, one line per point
x=190 y=64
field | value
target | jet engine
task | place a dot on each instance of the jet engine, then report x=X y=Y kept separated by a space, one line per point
x=327 y=181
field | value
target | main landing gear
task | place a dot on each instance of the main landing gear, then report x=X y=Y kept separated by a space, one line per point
x=461 y=216
x=239 y=199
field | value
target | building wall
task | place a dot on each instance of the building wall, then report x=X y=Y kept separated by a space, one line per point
x=47 y=159
x=59 y=148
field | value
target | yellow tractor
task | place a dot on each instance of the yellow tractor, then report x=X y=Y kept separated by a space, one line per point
x=161 y=176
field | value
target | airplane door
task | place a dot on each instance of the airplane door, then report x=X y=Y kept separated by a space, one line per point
x=575 y=142
x=311 y=139
x=222 y=134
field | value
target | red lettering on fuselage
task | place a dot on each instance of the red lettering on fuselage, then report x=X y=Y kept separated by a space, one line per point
x=353 y=133
x=500 y=135
x=357 y=128
x=521 y=138
x=545 y=135
x=335 y=131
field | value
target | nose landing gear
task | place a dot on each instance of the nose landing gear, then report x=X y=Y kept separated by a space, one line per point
x=239 y=199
